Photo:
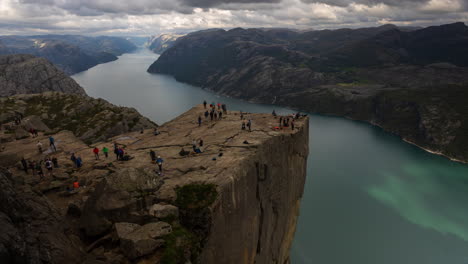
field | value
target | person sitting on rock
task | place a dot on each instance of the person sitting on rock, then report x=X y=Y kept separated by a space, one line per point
x=183 y=152
x=243 y=125
x=197 y=150
x=79 y=162
x=156 y=132
x=206 y=114
x=76 y=185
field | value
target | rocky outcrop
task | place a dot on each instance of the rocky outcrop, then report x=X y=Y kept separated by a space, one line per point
x=408 y=82
x=24 y=74
x=32 y=230
x=235 y=202
x=137 y=241
x=90 y=119
x=69 y=53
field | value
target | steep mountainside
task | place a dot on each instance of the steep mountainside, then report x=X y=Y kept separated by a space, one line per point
x=341 y=72
x=161 y=43
x=23 y=74
x=233 y=203
x=90 y=119
x=70 y=53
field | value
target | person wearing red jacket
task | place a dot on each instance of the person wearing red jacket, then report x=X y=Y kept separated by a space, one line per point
x=96 y=153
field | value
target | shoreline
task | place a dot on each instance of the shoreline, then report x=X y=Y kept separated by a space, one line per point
x=438 y=153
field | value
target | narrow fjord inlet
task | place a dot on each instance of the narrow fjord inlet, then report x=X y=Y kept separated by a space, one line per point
x=234 y=132
x=369 y=198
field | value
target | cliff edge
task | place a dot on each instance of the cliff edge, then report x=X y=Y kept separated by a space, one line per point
x=236 y=201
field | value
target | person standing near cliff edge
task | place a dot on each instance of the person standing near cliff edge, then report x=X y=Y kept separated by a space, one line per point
x=25 y=165
x=106 y=151
x=204 y=104
x=96 y=153
x=152 y=155
x=199 y=120
x=160 y=161
x=52 y=143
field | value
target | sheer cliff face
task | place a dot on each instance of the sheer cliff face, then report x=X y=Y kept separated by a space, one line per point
x=255 y=218
x=235 y=202
x=25 y=74
x=414 y=84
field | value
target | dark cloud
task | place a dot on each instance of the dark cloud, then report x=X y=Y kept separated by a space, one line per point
x=368 y=2
x=145 y=17
x=214 y=3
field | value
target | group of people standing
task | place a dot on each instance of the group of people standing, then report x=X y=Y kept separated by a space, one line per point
x=215 y=112
x=36 y=166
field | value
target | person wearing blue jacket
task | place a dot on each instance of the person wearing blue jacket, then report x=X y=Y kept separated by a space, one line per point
x=52 y=143
x=159 y=161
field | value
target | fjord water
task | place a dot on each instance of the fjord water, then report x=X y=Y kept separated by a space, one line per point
x=369 y=197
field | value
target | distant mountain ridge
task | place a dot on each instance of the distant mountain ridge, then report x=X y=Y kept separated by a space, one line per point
x=160 y=43
x=412 y=82
x=70 y=53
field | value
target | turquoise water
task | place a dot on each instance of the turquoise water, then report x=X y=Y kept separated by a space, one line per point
x=369 y=197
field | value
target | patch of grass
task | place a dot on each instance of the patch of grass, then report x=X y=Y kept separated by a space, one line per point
x=196 y=196
x=178 y=244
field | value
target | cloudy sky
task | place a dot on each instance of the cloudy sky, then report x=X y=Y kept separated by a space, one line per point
x=146 y=17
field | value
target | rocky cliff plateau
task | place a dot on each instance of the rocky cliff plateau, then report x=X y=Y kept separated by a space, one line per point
x=236 y=202
x=90 y=119
x=411 y=82
x=26 y=74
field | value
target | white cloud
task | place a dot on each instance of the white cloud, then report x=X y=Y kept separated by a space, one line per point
x=145 y=17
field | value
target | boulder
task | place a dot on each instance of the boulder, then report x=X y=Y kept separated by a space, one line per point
x=20 y=133
x=34 y=122
x=164 y=210
x=106 y=205
x=135 y=180
x=137 y=241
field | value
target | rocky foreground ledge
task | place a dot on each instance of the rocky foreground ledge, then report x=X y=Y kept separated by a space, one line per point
x=236 y=202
